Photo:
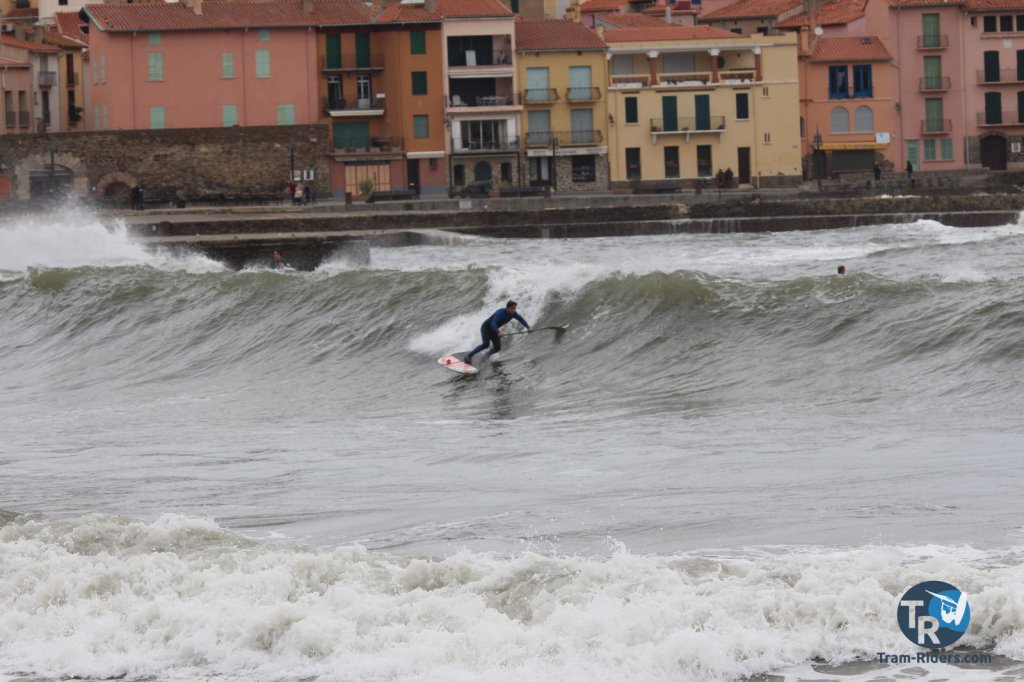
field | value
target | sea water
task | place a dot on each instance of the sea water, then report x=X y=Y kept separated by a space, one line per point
x=731 y=465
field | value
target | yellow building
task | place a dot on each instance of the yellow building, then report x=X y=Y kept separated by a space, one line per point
x=690 y=101
x=563 y=72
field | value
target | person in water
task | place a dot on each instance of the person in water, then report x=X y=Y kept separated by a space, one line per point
x=490 y=330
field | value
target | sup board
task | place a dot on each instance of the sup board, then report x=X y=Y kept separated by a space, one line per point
x=456 y=364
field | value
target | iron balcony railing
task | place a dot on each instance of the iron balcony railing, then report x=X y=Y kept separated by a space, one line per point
x=470 y=100
x=1001 y=118
x=483 y=146
x=1001 y=76
x=934 y=83
x=563 y=138
x=343 y=104
x=934 y=41
x=373 y=145
x=684 y=124
x=47 y=79
x=540 y=95
x=351 y=62
x=583 y=94
x=936 y=126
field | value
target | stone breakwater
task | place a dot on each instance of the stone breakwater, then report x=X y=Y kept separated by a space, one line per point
x=305 y=237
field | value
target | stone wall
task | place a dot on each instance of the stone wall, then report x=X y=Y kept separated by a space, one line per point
x=751 y=206
x=195 y=164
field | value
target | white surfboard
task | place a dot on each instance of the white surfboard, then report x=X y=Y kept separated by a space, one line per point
x=456 y=364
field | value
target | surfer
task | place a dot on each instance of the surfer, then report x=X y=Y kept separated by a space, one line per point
x=490 y=330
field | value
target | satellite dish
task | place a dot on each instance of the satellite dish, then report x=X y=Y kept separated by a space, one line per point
x=818 y=30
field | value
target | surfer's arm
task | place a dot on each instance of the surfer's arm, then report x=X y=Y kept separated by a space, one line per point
x=523 y=322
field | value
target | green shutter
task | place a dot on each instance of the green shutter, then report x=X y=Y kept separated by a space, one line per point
x=421 y=126
x=157 y=118
x=417 y=42
x=103 y=68
x=419 y=82
x=154 y=38
x=362 y=50
x=227 y=65
x=263 y=63
x=354 y=135
x=155 y=66
x=264 y=34
x=285 y=114
x=947 y=149
x=929 y=150
x=334 y=51
x=229 y=115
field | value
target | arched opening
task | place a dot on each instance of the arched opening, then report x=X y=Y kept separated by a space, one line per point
x=482 y=172
x=51 y=182
x=863 y=120
x=840 y=120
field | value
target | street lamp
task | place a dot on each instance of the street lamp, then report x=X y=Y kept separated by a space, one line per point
x=291 y=154
x=816 y=158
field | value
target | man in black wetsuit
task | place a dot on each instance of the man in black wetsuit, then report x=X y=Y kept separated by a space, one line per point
x=490 y=330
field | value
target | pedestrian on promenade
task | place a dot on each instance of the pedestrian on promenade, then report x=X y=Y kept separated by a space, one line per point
x=877 y=171
x=728 y=177
x=910 y=172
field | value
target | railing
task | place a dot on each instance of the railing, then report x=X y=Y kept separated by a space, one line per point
x=342 y=104
x=933 y=42
x=687 y=124
x=936 y=126
x=497 y=58
x=564 y=138
x=630 y=80
x=583 y=94
x=1000 y=118
x=726 y=75
x=482 y=100
x=47 y=79
x=11 y=119
x=484 y=146
x=1001 y=76
x=934 y=83
x=350 y=62
x=375 y=144
x=540 y=95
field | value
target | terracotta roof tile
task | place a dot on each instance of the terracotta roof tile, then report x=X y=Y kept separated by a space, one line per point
x=624 y=35
x=229 y=14
x=752 y=9
x=14 y=63
x=603 y=5
x=468 y=9
x=11 y=41
x=534 y=35
x=681 y=7
x=924 y=3
x=22 y=13
x=866 y=49
x=58 y=40
x=70 y=25
x=406 y=14
x=837 y=13
x=630 y=20
x=989 y=5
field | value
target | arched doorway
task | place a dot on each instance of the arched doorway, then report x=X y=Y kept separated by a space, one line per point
x=482 y=172
x=993 y=152
x=117 y=192
x=51 y=182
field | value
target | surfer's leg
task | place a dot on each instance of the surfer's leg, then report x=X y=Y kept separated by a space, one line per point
x=485 y=336
x=495 y=343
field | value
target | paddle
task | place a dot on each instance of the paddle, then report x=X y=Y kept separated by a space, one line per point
x=538 y=329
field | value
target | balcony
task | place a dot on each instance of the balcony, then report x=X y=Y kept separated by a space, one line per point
x=375 y=145
x=47 y=79
x=483 y=147
x=687 y=125
x=566 y=138
x=540 y=96
x=936 y=126
x=458 y=101
x=351 y=62
x=340 y=107
x=1002 y=76
x=933 y=42
x=630 y=81
x=583 y=94
x=1001 y=118
x=934 y=84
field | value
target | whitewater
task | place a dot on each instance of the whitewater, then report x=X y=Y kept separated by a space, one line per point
x=730 y=467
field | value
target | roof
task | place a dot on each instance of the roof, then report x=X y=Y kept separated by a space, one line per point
x=406 y=14
x=989 y=5
x=54 y=38
x=603 y=5
x=659 y=9
x=535 y=35
x=627 y=35
x=752 y=9
x=221 y=14
x=13 y=63
x=924 y=3
x=22 y=13
x=866 y=49
x=68 y=24
x=630 y=20
x=29 y=45
x=836 y=13
x=470 y=9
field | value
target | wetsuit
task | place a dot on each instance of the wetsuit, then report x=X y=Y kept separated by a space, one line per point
x=490 y=329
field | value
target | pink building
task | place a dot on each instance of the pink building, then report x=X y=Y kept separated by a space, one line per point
x=208 y=64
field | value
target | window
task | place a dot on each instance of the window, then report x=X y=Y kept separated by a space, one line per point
x=633 y=163
x=929 y=149
x=671 y=162
x=103 y=68
x=933 y=73
x=155 y=63
x=417 y=42
x=264 y=34
x=1020 y=22
x=947 y=148
x=95 y=72
x=764 y=91
x=157 y=118
x=930 y=30
x=420 y=126
x=229 y=115
x=106 y=117
x=96 y=117
x=933 y=122
x=538 y=126
x=1020 y=106
x=285 y=114
x=582 y=124
x=332 y=43
x=704 y=160
x=505 y=172
x=263 y=63
x=838 y=87
x=227 y=65
x=803 y=128
x=419 y=82
x=1006 y=23
x=632 y=115
x=991 y=63
x=537 y=89
x=840 y=120
x=864 y=120
x=584 y=169
x=742 y=106
x=580 y=88
x=154 y=38
x=993 y=108
x=862 y=85
x=989 y=24
x=767 y=138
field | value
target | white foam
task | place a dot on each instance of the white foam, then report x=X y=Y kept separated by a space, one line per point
x=180 y=598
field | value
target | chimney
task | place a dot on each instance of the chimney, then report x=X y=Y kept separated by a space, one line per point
x=668 y=12
x=194 y=5
x=307 y=6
